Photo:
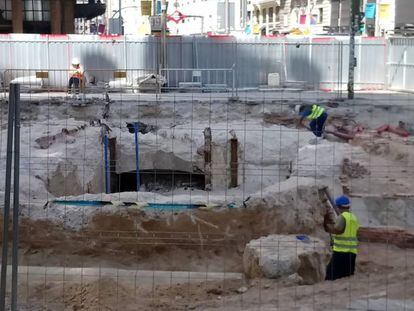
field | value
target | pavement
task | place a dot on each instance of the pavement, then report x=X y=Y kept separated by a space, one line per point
x=158 y=277
x=244 y=95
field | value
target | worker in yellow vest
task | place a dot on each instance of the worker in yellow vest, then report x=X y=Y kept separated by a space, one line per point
x=317 y=117
x=344 y=230
x=76 y=76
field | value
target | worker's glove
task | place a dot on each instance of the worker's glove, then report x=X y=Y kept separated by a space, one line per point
x=327 y=220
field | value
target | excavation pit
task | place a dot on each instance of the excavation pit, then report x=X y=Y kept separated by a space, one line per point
x=159 y=180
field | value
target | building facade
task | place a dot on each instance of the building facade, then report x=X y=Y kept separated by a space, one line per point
x=45 y=16
x=301 y=16
x=391 y=15
x=382 y=17
x=134 y=17
x=190 y=17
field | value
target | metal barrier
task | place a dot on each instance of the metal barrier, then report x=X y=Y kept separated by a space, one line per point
x=121 y=80
x=401 y=64
x=200 y=79
x=94 y=80
x=315 y=61
x=37 y=79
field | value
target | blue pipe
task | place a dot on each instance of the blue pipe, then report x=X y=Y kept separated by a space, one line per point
x=107 y=185
x=136 y=129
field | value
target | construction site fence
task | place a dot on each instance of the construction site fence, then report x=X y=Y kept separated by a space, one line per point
x=319 y=62
x=92 y=80
x=204 y=80
x=131 y=80
x=401 y=64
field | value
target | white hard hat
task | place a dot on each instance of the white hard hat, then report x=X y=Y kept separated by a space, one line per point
x=75 y=61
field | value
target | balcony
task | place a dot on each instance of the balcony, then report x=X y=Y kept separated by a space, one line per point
x=89 y=10
x=266 y=2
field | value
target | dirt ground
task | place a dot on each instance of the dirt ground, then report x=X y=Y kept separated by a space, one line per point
x=383 y=281
x=212 y=242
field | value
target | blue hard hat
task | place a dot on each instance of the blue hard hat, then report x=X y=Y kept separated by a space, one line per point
x=342 y=201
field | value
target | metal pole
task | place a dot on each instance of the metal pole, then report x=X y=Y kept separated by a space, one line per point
x=15 y=90
x=6 y=212
x=226 y=17
x=107 y=185
x=121 y=28
x=207 y=158
x=136 y=130
x=244 y=14
x=154 y=7
x=163 y=34
x=352 y=61
x=233 y=162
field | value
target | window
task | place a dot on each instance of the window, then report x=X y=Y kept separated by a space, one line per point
x=36 y=10
x=320 y=19
x=257 y=16
x=6 y=8
x=270 y=15
x=277 y=14
x=264 y=15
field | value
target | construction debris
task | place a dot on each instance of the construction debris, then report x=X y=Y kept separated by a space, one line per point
x=45 y=142
x=142 y=128
x=151 y=83
x=399 y=130
x=277 y=256
x=403 y=238
x=353 y=169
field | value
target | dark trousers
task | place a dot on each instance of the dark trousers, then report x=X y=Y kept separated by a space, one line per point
x=340 y=266
x=317 y=124
x=76 y=82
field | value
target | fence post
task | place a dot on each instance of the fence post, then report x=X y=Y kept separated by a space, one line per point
x=15 y=93
x=233 y=162
x=107 y=186
x=207 y=158
x=405 y=69
x=136 y=130
x=125 y=53
x=310 y=76
x=114 y=186
x=6 y=212
x=234 y=81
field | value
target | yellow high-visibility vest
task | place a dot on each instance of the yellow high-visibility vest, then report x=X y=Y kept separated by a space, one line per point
x=76 y=72
x=316 y=112
x=347 y=242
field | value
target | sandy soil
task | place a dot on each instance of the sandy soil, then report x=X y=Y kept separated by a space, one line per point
x=207 y=241
x=383 y=281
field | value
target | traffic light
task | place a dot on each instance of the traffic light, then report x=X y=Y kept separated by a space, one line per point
x=360 y=23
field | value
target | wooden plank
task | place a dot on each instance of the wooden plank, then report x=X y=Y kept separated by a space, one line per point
x=120 y=74
x=42 y=74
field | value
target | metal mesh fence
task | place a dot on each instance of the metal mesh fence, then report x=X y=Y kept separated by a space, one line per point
x=192 y=198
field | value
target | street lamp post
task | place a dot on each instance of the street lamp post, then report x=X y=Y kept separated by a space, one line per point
x=163 y=49
x=352 y=61
x=120 y=17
